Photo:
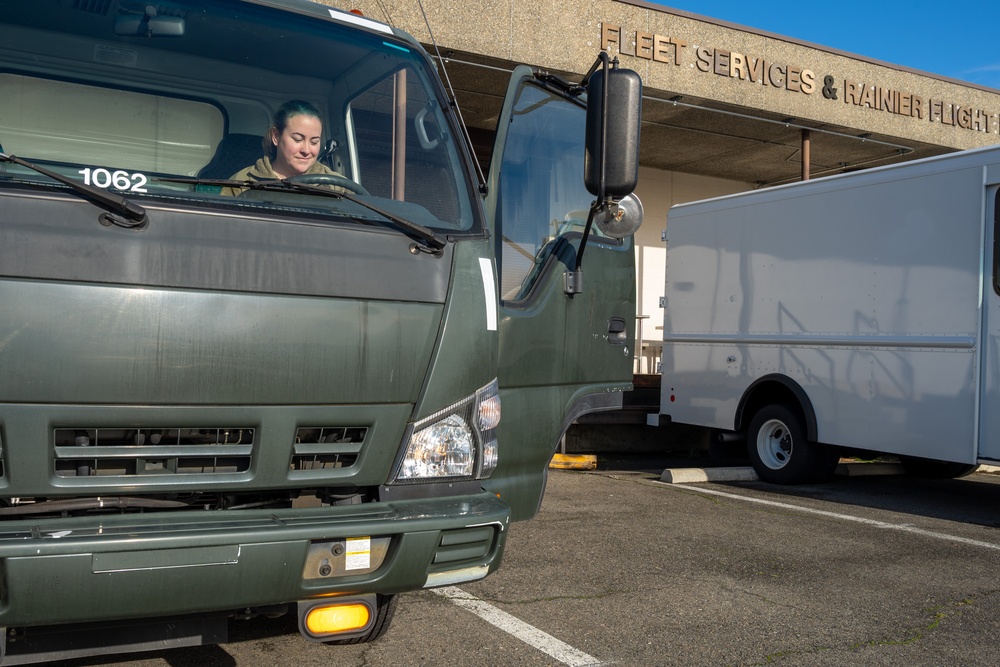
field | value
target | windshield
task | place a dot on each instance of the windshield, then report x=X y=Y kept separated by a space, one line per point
x=167 y=101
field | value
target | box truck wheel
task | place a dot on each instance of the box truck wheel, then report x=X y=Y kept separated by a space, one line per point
x=780 y=452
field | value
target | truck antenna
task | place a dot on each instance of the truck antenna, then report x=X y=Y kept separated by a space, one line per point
x=454 y=102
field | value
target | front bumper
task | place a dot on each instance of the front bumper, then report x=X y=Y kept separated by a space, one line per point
x=144 y=565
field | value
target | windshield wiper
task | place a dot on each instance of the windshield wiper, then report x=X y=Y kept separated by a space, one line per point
x=432 y=242
x=115 y=204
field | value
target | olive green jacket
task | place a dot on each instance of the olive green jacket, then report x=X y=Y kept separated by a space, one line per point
x=262 y=171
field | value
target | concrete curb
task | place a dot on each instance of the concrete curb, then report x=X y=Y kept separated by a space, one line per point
x=747 y=474
x=695 y=475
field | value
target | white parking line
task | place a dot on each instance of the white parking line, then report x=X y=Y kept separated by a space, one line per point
x=906 y=528
x=528 y=634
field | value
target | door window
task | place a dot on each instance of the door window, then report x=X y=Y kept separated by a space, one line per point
x=542 y=193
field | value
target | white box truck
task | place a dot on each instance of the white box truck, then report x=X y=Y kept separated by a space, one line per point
x=855 y=312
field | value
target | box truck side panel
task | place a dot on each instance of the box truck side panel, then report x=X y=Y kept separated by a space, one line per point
x=862 y=290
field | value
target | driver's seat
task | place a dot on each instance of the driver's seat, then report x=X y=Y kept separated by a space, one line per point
x=235 y=152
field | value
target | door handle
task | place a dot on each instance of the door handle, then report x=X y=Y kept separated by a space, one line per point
x=617 y=335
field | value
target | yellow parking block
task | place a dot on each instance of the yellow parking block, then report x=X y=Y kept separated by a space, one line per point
x=574 y=462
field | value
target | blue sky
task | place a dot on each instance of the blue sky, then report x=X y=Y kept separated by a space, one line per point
x=955 y=39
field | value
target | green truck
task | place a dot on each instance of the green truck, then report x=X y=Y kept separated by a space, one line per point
x=229 y=392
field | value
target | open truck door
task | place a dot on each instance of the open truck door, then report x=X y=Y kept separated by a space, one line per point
x=566 y=346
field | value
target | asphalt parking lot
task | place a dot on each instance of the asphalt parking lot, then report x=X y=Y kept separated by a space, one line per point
x=621 y=569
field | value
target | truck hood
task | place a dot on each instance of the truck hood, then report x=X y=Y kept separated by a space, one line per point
x=209 y=309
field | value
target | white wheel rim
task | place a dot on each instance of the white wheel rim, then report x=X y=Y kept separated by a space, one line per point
x=774 y=444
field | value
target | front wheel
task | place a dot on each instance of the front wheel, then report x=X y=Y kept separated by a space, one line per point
x=780 y=452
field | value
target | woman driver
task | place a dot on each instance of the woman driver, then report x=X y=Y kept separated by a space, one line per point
x=291 y=147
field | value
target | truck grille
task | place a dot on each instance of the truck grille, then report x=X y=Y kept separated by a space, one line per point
x=101 y=452
x=318 y=448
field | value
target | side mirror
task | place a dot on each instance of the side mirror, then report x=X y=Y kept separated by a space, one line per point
x=622 y=219
x=611 y=157
x=617 y=166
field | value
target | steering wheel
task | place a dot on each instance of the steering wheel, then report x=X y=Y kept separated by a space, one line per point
x=330 y=179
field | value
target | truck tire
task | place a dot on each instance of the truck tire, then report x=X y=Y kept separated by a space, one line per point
x=779 y=451
x=383 y=617
x=931 y=469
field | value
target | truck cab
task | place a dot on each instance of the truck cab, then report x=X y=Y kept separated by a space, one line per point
x=224 y=392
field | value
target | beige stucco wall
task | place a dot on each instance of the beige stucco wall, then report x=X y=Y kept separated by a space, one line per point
x=566 y=34
x=716 y=62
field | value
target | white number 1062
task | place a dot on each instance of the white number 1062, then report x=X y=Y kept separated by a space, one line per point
x=120 y=180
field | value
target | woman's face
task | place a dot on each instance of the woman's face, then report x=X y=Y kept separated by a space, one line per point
x=297 y=145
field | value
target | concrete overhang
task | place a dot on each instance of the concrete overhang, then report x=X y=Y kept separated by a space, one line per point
x=698 y=136
x=720 y=100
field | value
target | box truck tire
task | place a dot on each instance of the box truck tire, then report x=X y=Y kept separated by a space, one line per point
x=780 y=452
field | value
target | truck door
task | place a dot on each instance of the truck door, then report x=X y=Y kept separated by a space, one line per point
x=989 y=417
x=560 y=355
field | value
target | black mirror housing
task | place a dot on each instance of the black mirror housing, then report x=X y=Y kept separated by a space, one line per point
x=623 y=113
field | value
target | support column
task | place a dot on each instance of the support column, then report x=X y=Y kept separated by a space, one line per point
x=806 y=149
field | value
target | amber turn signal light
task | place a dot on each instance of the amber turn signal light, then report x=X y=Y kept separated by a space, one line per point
x=337 y=618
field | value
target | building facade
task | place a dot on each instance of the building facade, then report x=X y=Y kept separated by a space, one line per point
x=725 y=108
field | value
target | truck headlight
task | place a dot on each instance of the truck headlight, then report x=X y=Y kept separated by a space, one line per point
x=458 y=442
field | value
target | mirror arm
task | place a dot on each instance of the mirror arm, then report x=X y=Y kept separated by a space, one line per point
x=603 y=60
x=594 y=208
